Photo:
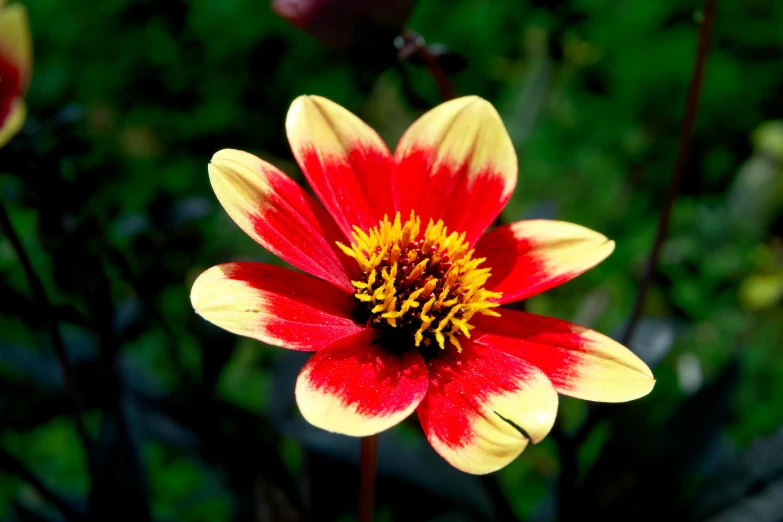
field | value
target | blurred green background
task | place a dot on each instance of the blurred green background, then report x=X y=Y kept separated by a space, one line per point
x=108 y=189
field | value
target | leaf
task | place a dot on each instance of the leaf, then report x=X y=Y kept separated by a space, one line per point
x=644 y=467
x=119 y=489
x=750 y=482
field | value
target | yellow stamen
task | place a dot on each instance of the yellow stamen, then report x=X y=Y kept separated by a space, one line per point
x=427 y=283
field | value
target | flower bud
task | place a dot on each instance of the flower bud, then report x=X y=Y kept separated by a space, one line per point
x=359 y=27
x=15 y=68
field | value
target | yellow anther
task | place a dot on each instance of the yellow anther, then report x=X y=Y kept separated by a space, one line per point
x=348 y=251
x=437 y=307
x=395 y=254
x=441 y=339
x=417 y=271
x=429 y=286
x=443 y=295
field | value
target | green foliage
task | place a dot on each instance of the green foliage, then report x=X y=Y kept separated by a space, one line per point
x=130 y=99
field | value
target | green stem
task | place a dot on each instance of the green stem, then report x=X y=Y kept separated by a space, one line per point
x=686 y=134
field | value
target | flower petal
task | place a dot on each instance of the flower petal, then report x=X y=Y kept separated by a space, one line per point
x=14 y=120
x=274 y=305
x=580 y=362
x=272 y=209
x=356 y=387
x=16 y=45
x=456 y=163
x=482 y=407
x=345 y=161
x=528 y=257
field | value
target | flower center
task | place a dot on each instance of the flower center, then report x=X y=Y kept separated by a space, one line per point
x=426 y=284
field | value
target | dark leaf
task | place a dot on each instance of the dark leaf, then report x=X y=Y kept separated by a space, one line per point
x=752 y=482
x=119 y=490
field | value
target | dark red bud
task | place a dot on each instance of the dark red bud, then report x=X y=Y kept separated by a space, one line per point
x=359 y=27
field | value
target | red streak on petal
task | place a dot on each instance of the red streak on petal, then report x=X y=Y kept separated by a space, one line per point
x=353 y=188
x=460 y=383
x=466 y=202
x=306 y=311
x=555 y=347
x=373 y=170
x=303 y=234
x=516 y=270
x=361 y=373
x=294 y=284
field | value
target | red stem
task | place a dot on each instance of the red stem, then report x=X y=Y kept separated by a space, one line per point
x=368 y=465
x=445 y=87
x=415 y=44
x=568 y=446
x=686 y=134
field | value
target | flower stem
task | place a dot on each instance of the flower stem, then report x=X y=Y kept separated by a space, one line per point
x=445 y=87
x=41 y=298
x=686 y=134
x=569 y=445
x=413 y=43
x=368 y=463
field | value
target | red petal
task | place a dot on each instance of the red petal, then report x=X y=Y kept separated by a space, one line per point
x=345 y=161
x=272 y=209
x=456 y=163
x=474 y=401
x=528 y=257
x=274 y=305
x=356 y=387
x=580 y=362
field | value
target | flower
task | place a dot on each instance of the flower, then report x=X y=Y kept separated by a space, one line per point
x=16 y=62
x=401 y=291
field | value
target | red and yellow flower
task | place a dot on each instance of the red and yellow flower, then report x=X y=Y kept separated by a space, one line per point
x=401 y=291
x=16 y=64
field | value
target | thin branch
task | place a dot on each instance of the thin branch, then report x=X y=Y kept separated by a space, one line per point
x=15 y=466
x=413 y=43
x=686 y=135
x=497 y=496
x=569 y=445
x=40 y=296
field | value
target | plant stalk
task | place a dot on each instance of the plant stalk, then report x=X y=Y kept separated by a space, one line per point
x=686 y=135
x=368 y=464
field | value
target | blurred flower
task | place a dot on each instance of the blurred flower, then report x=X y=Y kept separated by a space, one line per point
x=403 y=312
x=760 y=291
x=757 y=192
x=768 y=139
x=355 y=26
x=16 y=64
x=763 y=288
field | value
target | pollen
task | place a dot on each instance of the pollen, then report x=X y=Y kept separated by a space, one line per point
x=425 y=283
